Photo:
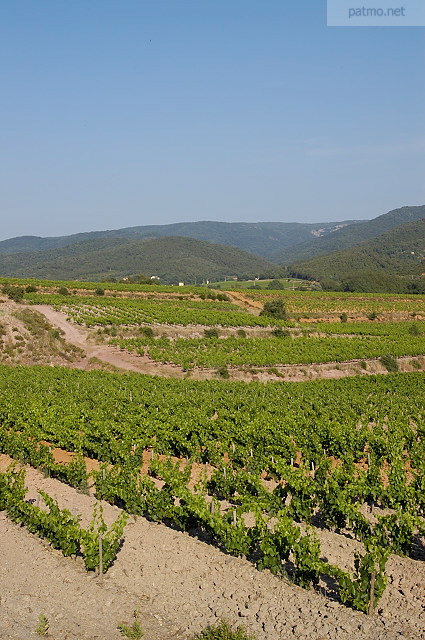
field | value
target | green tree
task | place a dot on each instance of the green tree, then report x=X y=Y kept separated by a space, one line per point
x=274 y=309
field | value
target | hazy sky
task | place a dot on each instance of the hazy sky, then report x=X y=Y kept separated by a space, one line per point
x=117 y=113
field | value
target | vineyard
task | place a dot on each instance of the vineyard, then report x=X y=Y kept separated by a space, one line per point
x=258 y=471
x=325 y=454
x=107 y=311
x=335 y=303
x=357 y=342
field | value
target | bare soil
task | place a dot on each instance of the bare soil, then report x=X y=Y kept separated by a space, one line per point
x=26 y=337
x=180 y=584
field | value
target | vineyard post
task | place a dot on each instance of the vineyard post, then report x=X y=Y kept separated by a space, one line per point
x=372 y=593
x=234 y=517
x=100 y=558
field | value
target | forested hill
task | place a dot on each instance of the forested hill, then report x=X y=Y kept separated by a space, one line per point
x=173 y=259
x=396 y=253
x=263 y=238
x=350 y=235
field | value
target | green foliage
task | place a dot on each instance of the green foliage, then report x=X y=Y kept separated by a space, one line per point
x=211 y=333
x=274 y=309
x=74 y=473
x=99 y=291
x=42 y=628
x=414 y=330
x=384 y=263
x=133 y=630
x=279 y=332
x=110 y=539
x=352 y=234
x=275 y=284
x=343 y=317
x=14 y=293
x=241 y=431
x=368 y=572
x=223 y=631
x=147 y=332
x=63 y=291
x=183 y=310
x=59 y=526
x=389 y=362
x=119 y=257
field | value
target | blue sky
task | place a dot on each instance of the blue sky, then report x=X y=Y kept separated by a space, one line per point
x=117 y=113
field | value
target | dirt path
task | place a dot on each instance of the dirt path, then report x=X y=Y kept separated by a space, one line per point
x=253 y=306
x=180 y=585
x=108 y=354
x=115 y=357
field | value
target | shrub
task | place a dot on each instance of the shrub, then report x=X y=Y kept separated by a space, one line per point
x=275 y=284
x=274 y=309
x=278 y=332
x=99 y=291
x=241 y=333
x=14 y=293
x=30 y=289
x=223 y=372
x=343 y=317
x=414 y=330
x=389 y=362
x=373 y=315
x=211 y=333
x=147 y=332
x=63 y=291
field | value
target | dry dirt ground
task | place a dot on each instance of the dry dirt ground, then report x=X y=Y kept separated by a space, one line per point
x=180 y=585
x=85 y=340
x=26 y=337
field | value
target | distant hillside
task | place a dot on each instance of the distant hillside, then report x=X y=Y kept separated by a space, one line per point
x=399 y=252
x=173 y=259
x=349 y=235
x=263 y=238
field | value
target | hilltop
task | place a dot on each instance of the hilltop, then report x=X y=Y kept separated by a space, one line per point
x=349 y=236
x=381 y=264
x=172 y=259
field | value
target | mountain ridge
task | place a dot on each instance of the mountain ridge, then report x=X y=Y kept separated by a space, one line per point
x=397 y=253
x=262 y=238
x=350 y=235
x=171 y=258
